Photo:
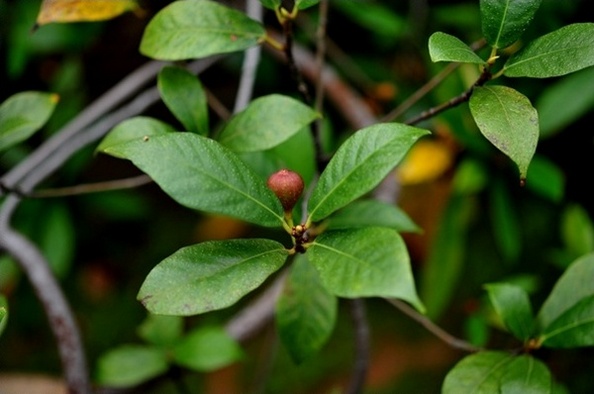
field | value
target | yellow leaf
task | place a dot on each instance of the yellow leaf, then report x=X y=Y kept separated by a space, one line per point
x=426 y=161
x=82 y=10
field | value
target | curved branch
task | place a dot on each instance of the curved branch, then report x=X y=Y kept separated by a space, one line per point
x=250 y=63
x=44 y=161
x=258 y=313
x=55 y=305
x=108 y=101
x=439 y=332
x=346 y=100
x=362 y=339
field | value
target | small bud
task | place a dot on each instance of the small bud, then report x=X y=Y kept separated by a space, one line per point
x=288 y=186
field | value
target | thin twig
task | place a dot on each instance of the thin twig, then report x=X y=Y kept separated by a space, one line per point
x=427 y=87
x=339 y=58
x=291 y=64
x=433 y=328
x=362 y=346
x=258 y=313
x=108 y=101
x=345 y=99
x=40 y=164
x=465 y=96
x=55 y=305
x=119 y=184
x=250 y=62
x=420 y=93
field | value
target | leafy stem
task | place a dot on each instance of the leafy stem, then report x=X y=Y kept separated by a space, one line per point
x=465 y=96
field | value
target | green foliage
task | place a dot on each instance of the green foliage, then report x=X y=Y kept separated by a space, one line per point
x=567 y=315
x=445 y=47
x=201 y=349
x=565 y=320
x=546 y=179
x=366 y=262
x=206 y=349
x=445 y=262
x=134 y=129
x=161 y=330
x=508 y=120
x=305 y=311
x=185 y=97
x=265 y=123
x=512 y=304
x=209 y=276
x=346 y=244
x=196 y=29
x=497 y=372
x=3 y=313
x=556 y=111
x=184 y=163
x=566 y=50
x=368 y=213
x=577 y=231
x=359 y=165
x=23 y=114
x=504 y=21
x=130 y=365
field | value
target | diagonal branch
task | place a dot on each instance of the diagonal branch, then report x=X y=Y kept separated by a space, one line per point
x=54 y=303
x=45 y=160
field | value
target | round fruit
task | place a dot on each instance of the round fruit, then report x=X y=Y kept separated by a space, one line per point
x=288 y=186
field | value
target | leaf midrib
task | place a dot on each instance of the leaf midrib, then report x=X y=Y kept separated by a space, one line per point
x=345 y=178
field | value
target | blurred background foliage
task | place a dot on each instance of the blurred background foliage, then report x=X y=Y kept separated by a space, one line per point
x=478 y=224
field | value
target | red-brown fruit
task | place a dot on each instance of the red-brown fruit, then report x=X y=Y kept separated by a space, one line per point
x=288 y=186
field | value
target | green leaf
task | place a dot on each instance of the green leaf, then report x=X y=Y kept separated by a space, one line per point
x=130 y=365
x=23 y=114
x=271 y=4
x=57 y=238
x=185 y=97
x=209 y=276
x=504 y=219
x=303 y=4
x=479 y=373
x=265 y=123
x=513 y=307
x=574 y=285
x=546 y=178
x=445 y=263
x=526 y=375
x=133 y=129
x=3 y=313
x=504 y=21
x=161 y=330
x=374 y=16
x=508 y=120
x=201 y=174
x=197 y=29
x=375 y=213
x=470 y=178
x=568 y=49
x=577 y=230
x=367 y=262
x=574 y=328
x=556 y=111
x=359 y=165
x=305 y=311
x=445 y=47
x=207 y=349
